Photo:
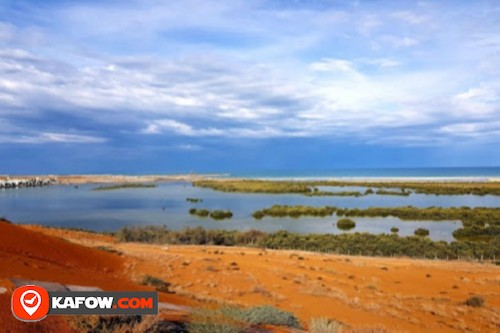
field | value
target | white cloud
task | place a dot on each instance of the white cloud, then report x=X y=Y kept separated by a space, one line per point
x=473 y=129
x=251 y=70
x=169 y=125
x=49 y=137
x=399 y=41
x=327 y=65
x=384 y=62
x=369 y=24
x=176 y=127
x=481 y=101
x=189 y=147
x=411 y=17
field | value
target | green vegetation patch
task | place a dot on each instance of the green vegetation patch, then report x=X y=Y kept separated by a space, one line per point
x=194 y=200
x=255 y=186
x=199 y=212
x=155 y=282
x=305 y=187
x=232 y=319
x=387 y=192
x=215 y=214
x=294 y=211
x=480 y=223
x=345 y=243
x=109 y=249
x=317 y=193
x=346 y=224
x=421 y=232
x=221 y=214
x=124 y=186
x=122 y=323
x=477 y=233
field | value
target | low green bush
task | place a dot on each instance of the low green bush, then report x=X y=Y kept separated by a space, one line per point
x=269 y=315
x=199 y=212
x=346 y=224
x=123 y=186
x=216 y=214
x=421 y=232
x=294 y=211
x=194 y=200
x=152 y=281
x=345 y=243
x=475 y=301
x=230 y=319
x=387 y=192
x=221 y=214
x=334 y=194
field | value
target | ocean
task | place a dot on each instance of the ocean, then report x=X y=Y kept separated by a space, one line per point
x=472 y=173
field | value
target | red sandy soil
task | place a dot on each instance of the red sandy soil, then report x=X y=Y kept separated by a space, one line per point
x=399 y=294
x=29 y=254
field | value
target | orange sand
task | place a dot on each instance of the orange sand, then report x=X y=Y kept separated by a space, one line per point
x=402 y=295
x=33 y=255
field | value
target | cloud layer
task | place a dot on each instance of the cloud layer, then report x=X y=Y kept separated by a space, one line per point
x=407 y=74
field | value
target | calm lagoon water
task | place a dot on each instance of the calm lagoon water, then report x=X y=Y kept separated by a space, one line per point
x=67 y=206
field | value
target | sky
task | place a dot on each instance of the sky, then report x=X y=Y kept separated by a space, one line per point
x=149 y=86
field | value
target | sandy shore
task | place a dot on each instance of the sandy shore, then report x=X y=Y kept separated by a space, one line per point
x=93 y=179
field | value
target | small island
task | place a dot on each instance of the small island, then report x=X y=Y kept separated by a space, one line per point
x=194 y=200
x=124 y=186
x=215 y=214
x=346 y=224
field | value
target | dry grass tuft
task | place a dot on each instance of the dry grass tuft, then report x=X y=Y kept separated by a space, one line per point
x=324 y=325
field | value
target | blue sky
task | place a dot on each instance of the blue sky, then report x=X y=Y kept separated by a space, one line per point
x=206 y=86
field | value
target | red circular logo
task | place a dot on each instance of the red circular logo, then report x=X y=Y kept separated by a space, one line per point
x=30 y=303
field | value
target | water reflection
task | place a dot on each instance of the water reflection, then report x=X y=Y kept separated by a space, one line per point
x=166 y=204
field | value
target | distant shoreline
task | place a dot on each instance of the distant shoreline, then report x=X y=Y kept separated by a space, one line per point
x=106 y=178
x=109 y=178
x=478 y=179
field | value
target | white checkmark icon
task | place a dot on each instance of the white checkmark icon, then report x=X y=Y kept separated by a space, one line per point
x=30 y=301
x=29 y=304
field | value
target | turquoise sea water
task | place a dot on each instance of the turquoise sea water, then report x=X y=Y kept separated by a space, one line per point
x=442 y=172
x=67 y=206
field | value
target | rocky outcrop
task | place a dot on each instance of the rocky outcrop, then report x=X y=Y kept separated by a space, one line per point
x=28 y=182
